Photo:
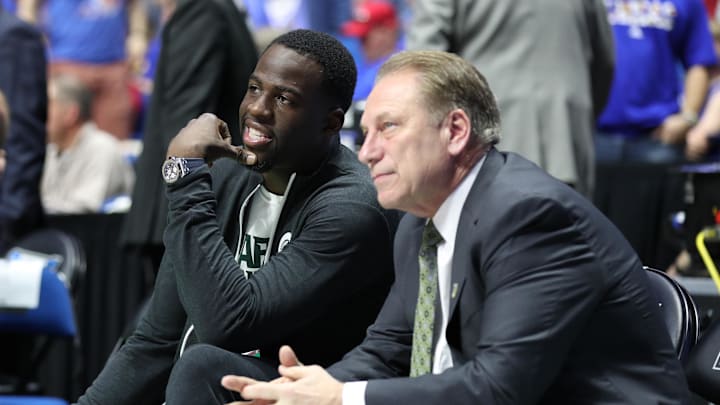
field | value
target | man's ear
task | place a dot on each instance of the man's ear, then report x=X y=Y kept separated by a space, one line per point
x=73 y=113
x=334 y=121
x=459 y=128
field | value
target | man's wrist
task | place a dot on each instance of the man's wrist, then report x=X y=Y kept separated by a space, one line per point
x=176 y=168
x=690 y=117
x=353 y=393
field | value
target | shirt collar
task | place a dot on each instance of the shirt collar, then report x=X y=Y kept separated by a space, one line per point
x=447 y=217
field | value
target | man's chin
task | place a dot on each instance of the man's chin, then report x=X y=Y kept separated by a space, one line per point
x=387 y=202
x=262 y=166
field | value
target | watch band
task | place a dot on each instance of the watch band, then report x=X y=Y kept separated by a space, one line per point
x=192 y=164
x=176 y=168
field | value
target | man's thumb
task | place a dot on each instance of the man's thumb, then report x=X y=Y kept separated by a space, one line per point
x=244 y=157
x=288 y=357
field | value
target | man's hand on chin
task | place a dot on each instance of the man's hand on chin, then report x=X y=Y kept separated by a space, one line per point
x=208 y=137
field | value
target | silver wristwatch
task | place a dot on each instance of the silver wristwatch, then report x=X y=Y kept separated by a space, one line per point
x=176 y=168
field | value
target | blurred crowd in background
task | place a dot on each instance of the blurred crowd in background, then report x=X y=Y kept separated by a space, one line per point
x=612 y=80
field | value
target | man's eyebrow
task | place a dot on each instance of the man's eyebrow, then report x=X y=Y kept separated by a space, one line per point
x=383 y=116
x=285 y=89
x=282 y=89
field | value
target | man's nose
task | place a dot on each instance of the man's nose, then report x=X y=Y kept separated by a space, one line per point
x=370 y=151
x=259 y=108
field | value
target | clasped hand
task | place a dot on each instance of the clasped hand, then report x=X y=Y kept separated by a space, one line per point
x=297 y=385
x=673 y=130
x=207 y=137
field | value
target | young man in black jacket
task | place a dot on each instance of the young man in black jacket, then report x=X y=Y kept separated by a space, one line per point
x=283 y=242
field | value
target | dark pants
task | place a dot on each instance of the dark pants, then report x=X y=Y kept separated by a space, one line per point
x=195 y=378
x=615 y=148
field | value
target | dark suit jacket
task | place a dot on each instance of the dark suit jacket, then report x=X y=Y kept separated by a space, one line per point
x=552 y=306
x=23 y=81
x=206 y=57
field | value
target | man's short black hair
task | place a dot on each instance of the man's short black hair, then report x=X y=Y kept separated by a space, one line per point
x=338 y=64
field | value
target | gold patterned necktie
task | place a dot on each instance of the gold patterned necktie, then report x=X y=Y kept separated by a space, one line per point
x=421 y=358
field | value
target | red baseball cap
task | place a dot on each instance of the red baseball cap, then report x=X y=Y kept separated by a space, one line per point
x=370 y=14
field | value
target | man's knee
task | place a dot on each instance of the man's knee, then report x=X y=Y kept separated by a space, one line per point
x=200 y=361
x=195 y=378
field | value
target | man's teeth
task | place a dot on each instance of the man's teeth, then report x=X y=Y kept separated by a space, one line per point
x=256 y=135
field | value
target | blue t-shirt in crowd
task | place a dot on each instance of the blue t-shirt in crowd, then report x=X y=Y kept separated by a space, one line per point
x=368 y=70
x=86 y=31
x=9 y=6
x=319 y=15
x=651 y=38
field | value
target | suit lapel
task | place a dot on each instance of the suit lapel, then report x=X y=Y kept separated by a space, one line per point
x=469 y=219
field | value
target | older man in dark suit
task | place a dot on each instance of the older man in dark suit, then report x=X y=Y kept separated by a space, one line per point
x=510 y=287
x=23 y=80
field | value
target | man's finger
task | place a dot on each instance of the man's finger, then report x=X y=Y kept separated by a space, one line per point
x=280 y=380
x=223 y=129
x=245 y=157
x=288 y=357
x=266 y=391
x=236 y=383
x=295 y=373
x=208 y=116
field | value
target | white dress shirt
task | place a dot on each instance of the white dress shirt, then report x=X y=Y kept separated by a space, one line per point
x=446 y=220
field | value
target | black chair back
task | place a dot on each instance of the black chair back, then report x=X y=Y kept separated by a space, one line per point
x=702 y=368
x=678 y=310
x=30 y=351
x=56 y=242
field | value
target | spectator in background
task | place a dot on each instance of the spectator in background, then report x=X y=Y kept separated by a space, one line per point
x=703 y=140
x=270 y=18
x=376 y=25
x=97 y=41
x=711 y=7
x=9 y=5
x=549 y=94
x=162 y=10
x=643 y=121
x=206 y=56
x=84 y=165
x=23 y=80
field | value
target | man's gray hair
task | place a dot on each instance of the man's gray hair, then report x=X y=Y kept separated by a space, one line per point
x=70 y=89
x=448 y=82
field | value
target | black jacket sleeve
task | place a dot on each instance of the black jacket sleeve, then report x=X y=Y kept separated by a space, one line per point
x=138 y=372
x=317 y=270
x=328 y=259
x=191 y=60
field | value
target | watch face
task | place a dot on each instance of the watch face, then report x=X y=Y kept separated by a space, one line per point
x=171 y=171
